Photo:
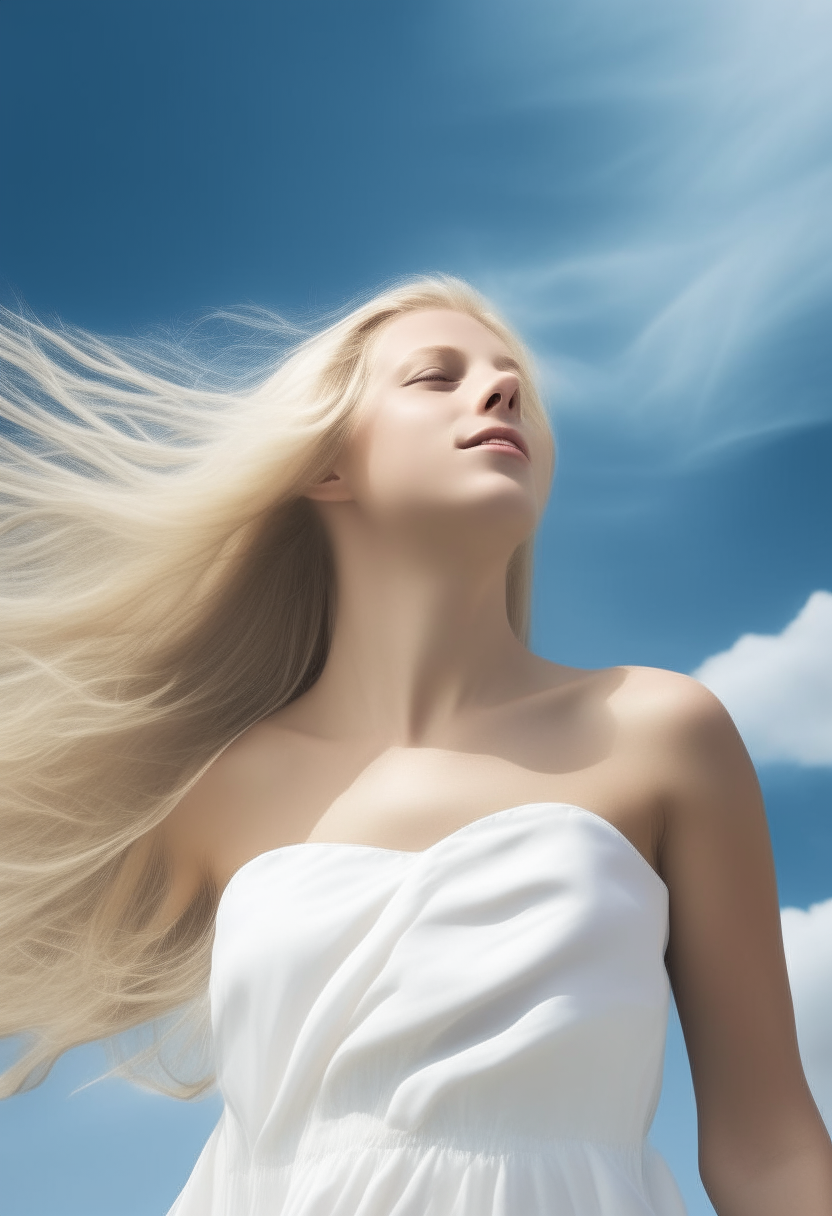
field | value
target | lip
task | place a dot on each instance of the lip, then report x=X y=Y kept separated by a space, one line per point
x=511 y=440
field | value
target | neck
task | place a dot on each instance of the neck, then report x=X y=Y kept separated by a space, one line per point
x=416 y=641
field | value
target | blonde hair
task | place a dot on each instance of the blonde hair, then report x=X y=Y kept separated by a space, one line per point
x=164 y=587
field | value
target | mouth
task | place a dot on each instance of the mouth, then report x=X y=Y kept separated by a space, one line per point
x=503 y=438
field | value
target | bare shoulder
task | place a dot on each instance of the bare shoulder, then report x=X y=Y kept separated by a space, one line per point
x=669 y=698
x=678 y=717
x=648 y=697
x=712 y=817
x=241 y=785
x=240 y=771
x=680 y=737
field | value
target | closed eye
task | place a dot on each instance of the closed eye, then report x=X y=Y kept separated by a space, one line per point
x=432 y=374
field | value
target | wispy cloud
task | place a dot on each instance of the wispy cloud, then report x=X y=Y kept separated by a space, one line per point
x=778 y=687
x=695 y=308
x=807 y=936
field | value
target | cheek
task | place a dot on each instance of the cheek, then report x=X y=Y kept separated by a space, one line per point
x=400 y=458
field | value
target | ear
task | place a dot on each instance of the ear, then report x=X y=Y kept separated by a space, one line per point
x=333 y=488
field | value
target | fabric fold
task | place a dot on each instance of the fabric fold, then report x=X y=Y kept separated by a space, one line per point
x=474 y=1030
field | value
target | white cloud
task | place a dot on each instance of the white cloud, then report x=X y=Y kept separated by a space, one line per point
x=778 y=688
x=807 y=936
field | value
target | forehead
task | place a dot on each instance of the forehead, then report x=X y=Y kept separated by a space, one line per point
x=436 y=327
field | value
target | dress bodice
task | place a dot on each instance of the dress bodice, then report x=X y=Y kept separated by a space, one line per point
x=473 y=1030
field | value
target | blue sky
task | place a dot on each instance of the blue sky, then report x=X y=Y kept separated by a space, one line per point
x=642 y=188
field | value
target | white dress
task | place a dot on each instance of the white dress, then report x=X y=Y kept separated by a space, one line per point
x=473 y=1030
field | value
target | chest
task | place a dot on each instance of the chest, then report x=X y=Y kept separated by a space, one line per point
x=408 y=798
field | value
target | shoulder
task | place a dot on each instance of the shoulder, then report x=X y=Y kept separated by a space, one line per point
x=703 y=778
x=653 y=694
x=676 y=714
x=658 y=727
x=244 y=770
x=647 y=697
x=680 y=737
x=246 y=782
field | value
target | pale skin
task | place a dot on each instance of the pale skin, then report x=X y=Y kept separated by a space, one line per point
x=430 y=714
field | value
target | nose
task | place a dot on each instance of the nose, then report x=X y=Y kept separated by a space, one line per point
x=503 y=392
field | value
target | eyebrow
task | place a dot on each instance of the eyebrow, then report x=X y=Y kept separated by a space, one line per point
x=503 y=363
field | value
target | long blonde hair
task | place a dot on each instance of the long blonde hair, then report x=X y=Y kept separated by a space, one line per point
x=164 y=587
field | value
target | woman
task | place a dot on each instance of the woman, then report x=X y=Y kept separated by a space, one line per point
x=267 y=671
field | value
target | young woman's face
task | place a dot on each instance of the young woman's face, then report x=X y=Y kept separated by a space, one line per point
x=442 y=435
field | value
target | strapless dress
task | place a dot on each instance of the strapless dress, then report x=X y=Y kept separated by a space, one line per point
x=473 y=1030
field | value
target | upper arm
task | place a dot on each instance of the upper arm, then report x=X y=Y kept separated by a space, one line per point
x=725 y=956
